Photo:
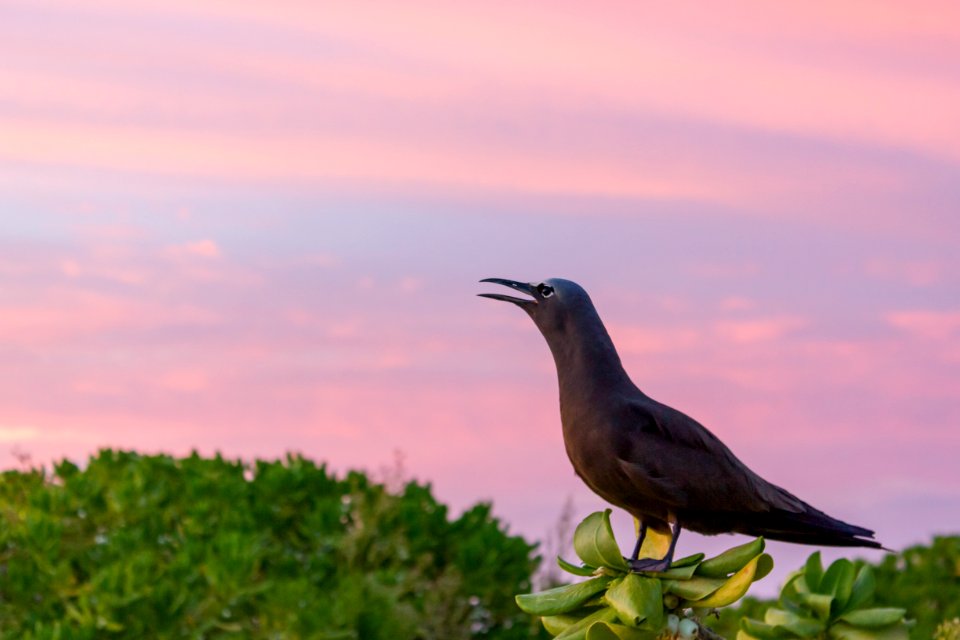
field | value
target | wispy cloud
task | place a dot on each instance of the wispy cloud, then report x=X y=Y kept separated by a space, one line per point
x=201 y=248
x=927 y=324
x=607 y=103
x=759 y=330
x=17 y=433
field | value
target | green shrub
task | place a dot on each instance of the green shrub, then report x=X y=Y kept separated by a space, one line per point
x=137 y=546
x=948 y=630
x=835 y=604
x=923 y=579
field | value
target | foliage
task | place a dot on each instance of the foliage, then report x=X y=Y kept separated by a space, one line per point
x=828 y=604
x=137 y=546
x=615 y=602
x=923 y=579
x=727 y=622
x=948 y=630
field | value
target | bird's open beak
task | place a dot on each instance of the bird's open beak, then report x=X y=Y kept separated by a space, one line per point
x=523 y=287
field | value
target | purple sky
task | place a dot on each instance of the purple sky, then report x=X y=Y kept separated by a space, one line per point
x=255 y=232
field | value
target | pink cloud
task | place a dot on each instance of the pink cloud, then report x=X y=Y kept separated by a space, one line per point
x=725 y=270
x=184 y=380
x=201 y=248
x=398 y=104
x=17 y=433
x=737 y=303
x=74 y=269
x=357 y=160
x=927 y=324
x=103 y=386
x=919 y=273
x=647 y=340
x=759 y=330
x=66 y=315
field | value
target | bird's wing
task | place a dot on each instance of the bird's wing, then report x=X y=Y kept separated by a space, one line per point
x=665 y=451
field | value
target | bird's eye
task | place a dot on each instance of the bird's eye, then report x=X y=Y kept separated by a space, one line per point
x=544 y=290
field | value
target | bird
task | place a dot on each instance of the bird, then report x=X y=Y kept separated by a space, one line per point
x=660 y=465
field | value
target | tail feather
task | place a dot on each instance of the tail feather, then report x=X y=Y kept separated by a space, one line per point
x=808 y=527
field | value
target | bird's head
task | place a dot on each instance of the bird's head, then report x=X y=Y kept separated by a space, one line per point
x=566 y=317
x=553 y=304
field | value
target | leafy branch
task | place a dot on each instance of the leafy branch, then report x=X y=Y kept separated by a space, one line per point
x=615 y=603
x=828 y=604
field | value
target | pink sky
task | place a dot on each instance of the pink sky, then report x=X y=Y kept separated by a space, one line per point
x=258 y=229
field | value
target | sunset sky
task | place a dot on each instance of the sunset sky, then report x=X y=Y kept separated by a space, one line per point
x=259 y=227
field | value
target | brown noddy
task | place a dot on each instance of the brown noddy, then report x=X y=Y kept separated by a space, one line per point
x=658 y=464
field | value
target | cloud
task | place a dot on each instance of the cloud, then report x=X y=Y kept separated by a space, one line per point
x=184 y=380
x=418 y=99
x=725 y=270
x=927 y=324
x=648 y=340
x=73 y=269
x=737 y=303
x=919 y=273
x=18 y=433
x=64 y=315
x=759 y=330
x=409 y=284
x=200 y=248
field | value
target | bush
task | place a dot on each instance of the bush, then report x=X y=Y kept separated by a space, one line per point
x=923 y=579
x=835 y=604
x=137 y=546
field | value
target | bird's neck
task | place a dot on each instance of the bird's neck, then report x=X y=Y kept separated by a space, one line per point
x=587 y=362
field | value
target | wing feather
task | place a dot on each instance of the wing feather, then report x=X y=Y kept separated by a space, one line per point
x=667 y=453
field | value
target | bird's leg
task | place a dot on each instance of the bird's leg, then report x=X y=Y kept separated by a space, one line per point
x=640 y=536
x=652 y=564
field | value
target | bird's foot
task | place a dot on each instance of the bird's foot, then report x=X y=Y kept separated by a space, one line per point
x=651 y=565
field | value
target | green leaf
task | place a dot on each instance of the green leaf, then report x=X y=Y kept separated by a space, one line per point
x=797 y=581
x=819 y=602
x=695 y=588
x=576 y=570
x=578 y=630
x=764 y=567
x=794 y=623
x=637 y=600
x=694 y=559
x=600 y=631
x=555 y=625
x=838 y=582
x=793 y=587
x=614 y=631
x=733 y=588
x=731 y=560
x=813 y=572
x=863 y=588
x=561 y=599
x=678 y=573
x=844 y=631
x=872 y=618
x=594 y=542
x=762 y=630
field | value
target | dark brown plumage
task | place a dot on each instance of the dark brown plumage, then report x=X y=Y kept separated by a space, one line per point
x=651 y=460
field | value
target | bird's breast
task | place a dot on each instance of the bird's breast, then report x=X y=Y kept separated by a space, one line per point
x=591 y=447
